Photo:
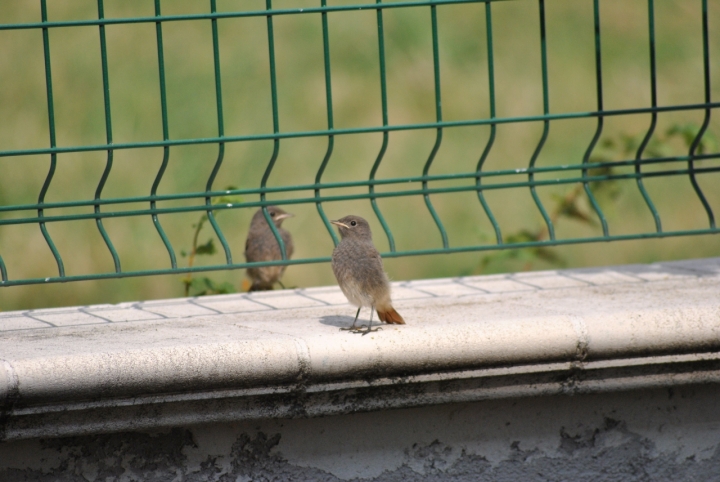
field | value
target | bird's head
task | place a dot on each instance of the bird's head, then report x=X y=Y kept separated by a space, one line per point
x=353 y=227
x=276 y=214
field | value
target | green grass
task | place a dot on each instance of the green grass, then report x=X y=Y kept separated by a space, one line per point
x=136 y=117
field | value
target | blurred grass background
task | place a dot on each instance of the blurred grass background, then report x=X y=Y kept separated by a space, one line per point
x=134 y=87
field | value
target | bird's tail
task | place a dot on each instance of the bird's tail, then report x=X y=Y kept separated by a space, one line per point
x=390 y=316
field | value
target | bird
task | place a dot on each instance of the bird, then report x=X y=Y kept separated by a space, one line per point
x=359 y=272
x=261 y=245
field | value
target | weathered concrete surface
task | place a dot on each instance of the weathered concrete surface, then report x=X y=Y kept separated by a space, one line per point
x=265 y=386
x=659 y=435
x=169 y=363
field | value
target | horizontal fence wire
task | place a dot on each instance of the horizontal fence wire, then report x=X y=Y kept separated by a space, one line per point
x=585 y=172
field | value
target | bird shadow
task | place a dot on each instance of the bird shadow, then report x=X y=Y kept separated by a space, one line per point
x=342 y=321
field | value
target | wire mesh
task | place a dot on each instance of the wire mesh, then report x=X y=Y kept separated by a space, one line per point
x=586 y=170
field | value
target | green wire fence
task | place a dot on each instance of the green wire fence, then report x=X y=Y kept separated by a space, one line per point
x=586 y=172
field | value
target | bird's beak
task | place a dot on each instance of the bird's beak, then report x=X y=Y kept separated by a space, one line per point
x=284 y=216
x=338 y=223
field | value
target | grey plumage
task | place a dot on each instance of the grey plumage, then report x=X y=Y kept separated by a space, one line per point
x=261 y=245
x=358 y=268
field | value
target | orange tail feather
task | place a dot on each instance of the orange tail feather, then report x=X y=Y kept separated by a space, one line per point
x=391 y=316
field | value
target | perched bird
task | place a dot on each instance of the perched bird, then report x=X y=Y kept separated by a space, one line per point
x=359 y=271
x=261 y=245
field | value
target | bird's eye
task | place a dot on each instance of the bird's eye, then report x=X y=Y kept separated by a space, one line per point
x=353 y=223
x=272 y=214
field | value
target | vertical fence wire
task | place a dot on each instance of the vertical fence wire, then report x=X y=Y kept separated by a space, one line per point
x=221 y=134
x=493 y=126
x=546 y=123
x=384 y=106
x=166 y=136
x=438 y=118
x=598 y=130
x=330 y=122
x=276 y=128
x=653 y=121
x=53 y=156
x=108 y=137
x=706 y=121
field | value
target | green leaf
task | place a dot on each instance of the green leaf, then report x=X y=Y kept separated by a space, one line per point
x=607 y=189
x=228 y=199
x=224 y=288
x=549 y=256
x=569 y=208
x=607 y=143
x=602 y=156
x=204 y=286
x=657 y=148
x=198 y=286
x=207 y=248
x=630 y=144
x=689 y=132
x=522 y=236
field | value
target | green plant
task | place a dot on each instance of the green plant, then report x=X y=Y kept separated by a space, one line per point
x=202 y=286
x=573 y=204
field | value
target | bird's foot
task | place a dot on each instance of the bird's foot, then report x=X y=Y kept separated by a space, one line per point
x=367 y=330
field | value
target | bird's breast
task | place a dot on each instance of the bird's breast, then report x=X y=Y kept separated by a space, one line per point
x=359 y=273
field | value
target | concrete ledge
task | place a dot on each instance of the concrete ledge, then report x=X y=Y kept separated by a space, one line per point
x=280 y=354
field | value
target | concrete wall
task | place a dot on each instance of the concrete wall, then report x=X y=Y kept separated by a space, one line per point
x=607 y=374
x=659 y=435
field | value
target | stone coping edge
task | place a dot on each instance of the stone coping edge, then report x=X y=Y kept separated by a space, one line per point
x=659 y=330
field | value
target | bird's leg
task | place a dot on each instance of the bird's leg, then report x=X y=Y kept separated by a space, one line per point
x=369 y=327
x=281 y=284
x=353 y=328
